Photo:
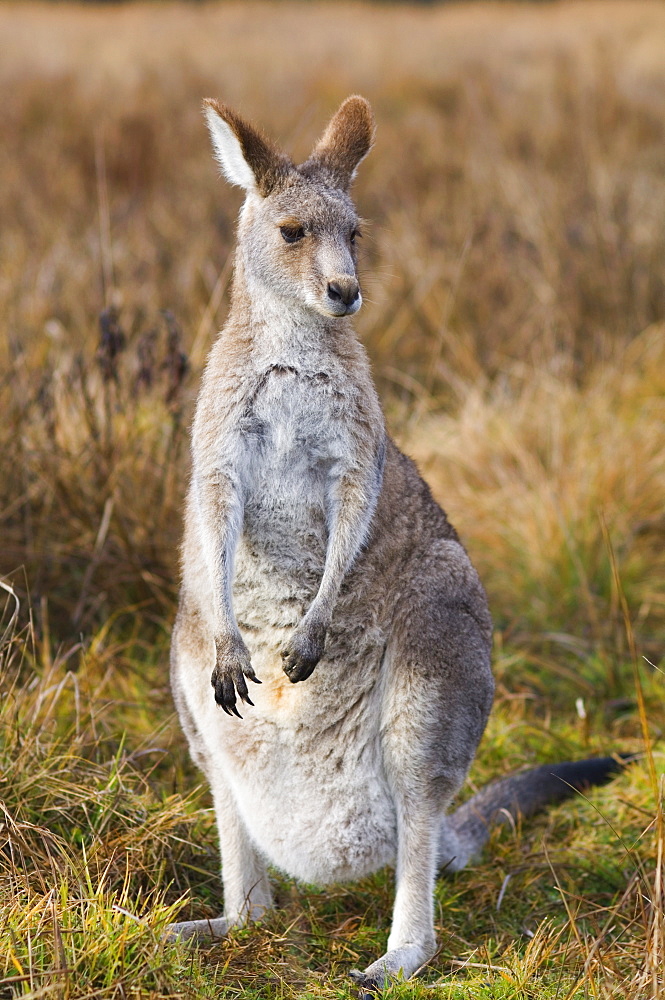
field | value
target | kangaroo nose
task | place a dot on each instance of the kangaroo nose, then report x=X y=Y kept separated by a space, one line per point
x=344 y=290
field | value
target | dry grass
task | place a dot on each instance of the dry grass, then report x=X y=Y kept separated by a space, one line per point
x=515 y=309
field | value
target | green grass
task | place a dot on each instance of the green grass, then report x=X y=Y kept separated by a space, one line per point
x=106 y=838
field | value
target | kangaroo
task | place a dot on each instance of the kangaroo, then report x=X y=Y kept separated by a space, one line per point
x=317 y=567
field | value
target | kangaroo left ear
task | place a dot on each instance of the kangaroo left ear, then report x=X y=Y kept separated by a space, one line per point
x=346 y=141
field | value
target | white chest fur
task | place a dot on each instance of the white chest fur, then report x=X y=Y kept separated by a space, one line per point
x=295 y=446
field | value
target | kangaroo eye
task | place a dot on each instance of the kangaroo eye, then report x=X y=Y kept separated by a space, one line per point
x=355 y=235
x=291 y=234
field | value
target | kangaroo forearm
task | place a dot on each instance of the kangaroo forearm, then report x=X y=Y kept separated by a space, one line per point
x=343 y=549
x=220 y=510
x=351 y=515
x=353 y=511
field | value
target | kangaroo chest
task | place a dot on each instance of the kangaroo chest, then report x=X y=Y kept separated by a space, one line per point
x=295 y=445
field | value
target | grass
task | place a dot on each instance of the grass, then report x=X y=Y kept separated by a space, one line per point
x=515 y=317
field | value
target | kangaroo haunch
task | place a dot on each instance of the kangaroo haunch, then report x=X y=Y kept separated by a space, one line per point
x=316 y=564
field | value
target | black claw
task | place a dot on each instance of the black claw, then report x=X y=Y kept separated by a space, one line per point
x=230 y=709
x=225 y=695
x=255 y=679
x=243 y=692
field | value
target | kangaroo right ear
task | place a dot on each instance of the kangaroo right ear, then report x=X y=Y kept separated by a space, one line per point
x=245 y=156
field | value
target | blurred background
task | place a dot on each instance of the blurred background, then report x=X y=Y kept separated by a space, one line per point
x=513 y=268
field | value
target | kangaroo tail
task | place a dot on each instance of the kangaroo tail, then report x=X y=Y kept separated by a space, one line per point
x=520 y=794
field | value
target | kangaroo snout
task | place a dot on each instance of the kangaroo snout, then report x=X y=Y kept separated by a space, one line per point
x=344 y=296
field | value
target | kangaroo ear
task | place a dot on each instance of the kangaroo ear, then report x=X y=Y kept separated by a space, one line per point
x=245 y=156
x=346 y=141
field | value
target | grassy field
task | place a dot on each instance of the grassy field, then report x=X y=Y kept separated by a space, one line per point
x=514 y=268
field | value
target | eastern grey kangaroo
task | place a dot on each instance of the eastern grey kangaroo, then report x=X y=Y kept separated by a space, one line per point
x=317 y=566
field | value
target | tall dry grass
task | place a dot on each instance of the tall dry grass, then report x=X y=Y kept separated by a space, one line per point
x=516 y=199
x=514 y=274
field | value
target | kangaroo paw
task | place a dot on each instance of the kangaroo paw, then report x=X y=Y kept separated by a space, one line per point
x=303 y=652
x=228 y=678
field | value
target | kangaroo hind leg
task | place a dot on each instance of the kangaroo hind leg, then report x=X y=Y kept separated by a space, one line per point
x=247 y=894
x=246 y=888
x=438 y=694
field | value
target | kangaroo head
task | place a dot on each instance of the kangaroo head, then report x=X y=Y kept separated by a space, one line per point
x=298 y=226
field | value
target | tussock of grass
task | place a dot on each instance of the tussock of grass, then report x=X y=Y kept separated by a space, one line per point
x=96 y=855
x=514 y=312
x=99 y=446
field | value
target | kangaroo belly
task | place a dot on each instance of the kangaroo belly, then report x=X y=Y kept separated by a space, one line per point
x=283 y=533
x=321 y=817
x=305 y=764
x=309 y=782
